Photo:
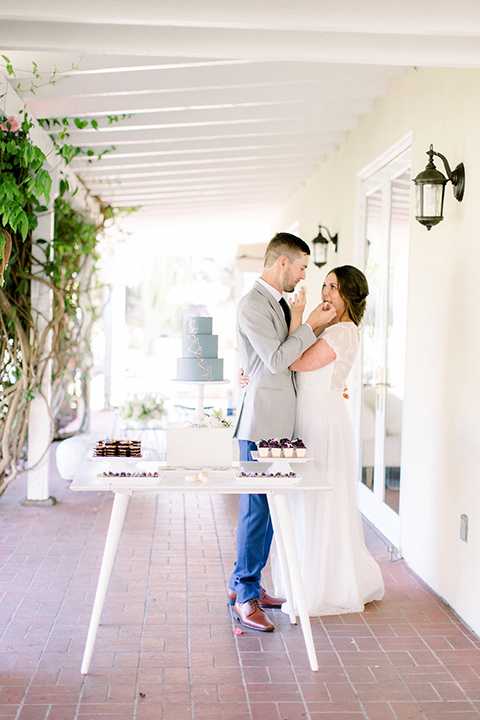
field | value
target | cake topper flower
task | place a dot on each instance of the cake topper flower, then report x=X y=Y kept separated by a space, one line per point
x=215 y=420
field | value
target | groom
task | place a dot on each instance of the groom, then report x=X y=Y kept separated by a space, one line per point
x=267 y=408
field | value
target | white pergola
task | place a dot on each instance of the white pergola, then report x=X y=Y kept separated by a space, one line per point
x=229 y=106
x=224 y=109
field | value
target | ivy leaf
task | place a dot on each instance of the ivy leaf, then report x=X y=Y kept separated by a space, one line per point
x=23 y=225
x=68 y=152
x=80 y=123
x=63 y=187
x=43 y=185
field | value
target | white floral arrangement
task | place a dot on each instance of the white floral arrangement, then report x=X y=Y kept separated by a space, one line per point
x=146 y=408
x=214 y=420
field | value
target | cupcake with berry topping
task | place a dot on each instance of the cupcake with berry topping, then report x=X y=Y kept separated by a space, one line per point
x=275 y=448
x=287 y=447
x=300 y=448
x=263 y=448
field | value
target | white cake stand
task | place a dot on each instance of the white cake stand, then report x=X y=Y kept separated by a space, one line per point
x=200 y=385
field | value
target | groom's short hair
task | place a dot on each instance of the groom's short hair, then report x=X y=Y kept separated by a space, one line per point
x=285 y=244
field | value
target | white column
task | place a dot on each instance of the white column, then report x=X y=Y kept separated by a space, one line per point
x=115 y=328
x=40 y=427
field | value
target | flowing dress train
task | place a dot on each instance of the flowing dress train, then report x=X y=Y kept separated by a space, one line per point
x=339 y=574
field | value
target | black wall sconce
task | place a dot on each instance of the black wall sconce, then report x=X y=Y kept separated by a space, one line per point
x=320 y=245
x=430 y=189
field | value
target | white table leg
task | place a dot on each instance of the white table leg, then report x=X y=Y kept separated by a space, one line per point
x=119 y=508
x=282 y=557
x=286 y=529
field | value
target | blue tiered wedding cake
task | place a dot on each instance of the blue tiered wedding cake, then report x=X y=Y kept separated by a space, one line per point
x=199 y=445
x=199 y=361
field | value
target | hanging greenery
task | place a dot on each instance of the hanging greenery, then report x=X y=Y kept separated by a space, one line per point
x=73 y=269
x=69 y=272
x=67 y=267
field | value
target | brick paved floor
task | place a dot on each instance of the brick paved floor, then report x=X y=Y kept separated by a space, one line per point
x=166 y=648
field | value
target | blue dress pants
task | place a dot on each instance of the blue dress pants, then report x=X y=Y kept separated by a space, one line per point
x=254 y=537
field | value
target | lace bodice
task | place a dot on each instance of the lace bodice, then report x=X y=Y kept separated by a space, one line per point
x=343 y=338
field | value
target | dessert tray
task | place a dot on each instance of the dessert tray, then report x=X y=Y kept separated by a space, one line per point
x=126 y=479
x=136 y=475
x=116 y=459
x=287 y=478
x=281 y=449
x=269 y=458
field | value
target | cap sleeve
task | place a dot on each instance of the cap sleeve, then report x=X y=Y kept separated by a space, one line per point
x=342 y=338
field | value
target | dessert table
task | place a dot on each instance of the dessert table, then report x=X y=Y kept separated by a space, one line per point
x=90 y=477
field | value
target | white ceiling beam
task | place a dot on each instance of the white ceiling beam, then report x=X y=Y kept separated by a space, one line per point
x=375 y=16
x=320 y=130
x=115 y=162
x=310 y=94
x=234 y=119
x=245 y=175
x=236 y=166
x=101 y=170
x=197 y=137
x=219 y=147
x=343 y=114
x=214 y=180
x=132 y=78
x=333 y=47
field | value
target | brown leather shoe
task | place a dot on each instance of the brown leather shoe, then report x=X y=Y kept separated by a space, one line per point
x=266 y=600
x=252 y=616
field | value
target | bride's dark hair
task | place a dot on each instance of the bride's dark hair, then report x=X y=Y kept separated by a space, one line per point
x=353 y=288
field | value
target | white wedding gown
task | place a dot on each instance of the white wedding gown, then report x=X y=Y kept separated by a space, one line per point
x=339 y=574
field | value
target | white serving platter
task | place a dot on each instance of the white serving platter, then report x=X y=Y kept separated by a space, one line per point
x=275 y=480
x=256 y=456
x=117 y=460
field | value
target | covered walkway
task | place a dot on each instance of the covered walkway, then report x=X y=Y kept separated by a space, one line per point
x=166 y=648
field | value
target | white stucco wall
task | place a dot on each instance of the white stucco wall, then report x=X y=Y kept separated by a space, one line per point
x=441 y=445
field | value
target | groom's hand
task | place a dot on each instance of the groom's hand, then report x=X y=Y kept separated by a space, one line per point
x=321 y=316
x=243 y=380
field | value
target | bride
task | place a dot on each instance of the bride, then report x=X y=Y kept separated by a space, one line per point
x=339 y=574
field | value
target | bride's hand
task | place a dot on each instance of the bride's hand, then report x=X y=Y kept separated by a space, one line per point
x=243 y=380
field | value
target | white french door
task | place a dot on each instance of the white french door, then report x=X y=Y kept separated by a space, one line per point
x=385 y=217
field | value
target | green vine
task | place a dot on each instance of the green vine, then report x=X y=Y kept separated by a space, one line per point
x=68 y=270
x=24 y=179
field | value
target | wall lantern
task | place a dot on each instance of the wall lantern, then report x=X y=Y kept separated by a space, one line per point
x=320 y=245
x=430 y=189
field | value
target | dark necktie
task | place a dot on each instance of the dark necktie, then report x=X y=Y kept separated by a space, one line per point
x=286 y=310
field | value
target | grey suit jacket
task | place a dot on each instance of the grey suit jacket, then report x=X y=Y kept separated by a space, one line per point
x=267 y=405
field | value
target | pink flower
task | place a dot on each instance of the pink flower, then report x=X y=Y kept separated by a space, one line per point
x=238 y=631
x=13 y=125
